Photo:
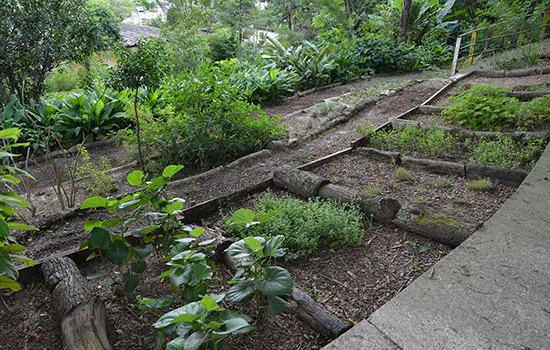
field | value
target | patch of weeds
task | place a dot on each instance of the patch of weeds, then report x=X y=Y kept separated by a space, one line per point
x=486 y=107
x=521 y=57
x=96 y=176
x=431 y=142
x=373 y=190
x=504 y=152
x=482 y=185
x=402 y=175
x=329 y=110
x=443 y=183
x=306 y=226
x=418 y=247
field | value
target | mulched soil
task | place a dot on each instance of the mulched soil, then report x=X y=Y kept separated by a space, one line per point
x=365 y=276
x=446 y=194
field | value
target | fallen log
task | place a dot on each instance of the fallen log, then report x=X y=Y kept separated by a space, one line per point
x=509 y=177
x=303 y=183
x=301 y=304
x=440 y=227
x=434 y=166
x=382 y=210
x=82 y=315
x=431 y=109
x=374 y=153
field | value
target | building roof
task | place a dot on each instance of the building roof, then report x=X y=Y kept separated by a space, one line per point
x=132 y=33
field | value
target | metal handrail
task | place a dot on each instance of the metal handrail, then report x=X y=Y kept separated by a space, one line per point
x=474 y=41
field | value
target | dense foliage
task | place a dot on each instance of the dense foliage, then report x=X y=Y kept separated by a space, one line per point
x=485 y=107
x=307 y=227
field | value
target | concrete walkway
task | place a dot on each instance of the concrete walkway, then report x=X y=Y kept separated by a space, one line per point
x=492 y=292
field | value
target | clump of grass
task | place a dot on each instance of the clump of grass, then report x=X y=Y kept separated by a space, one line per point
x=521 y=57
x=373 y=190
x=443 y=183
x=402 y=175
x=307 y=226
x=328 y=109
x=482 y=185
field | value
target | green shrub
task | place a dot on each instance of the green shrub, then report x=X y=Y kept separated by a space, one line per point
x=62 y=79
x=504 y=152
x=482 y=185
x=536 y=113
x=484 y=107
x=306 y=227
x=384 y=55
x=223 y=45
x=99 y=181
x=309 y=64
x=431 y=142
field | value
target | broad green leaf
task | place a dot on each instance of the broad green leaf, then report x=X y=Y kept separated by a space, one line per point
x=196 y=232
x=272 y=246
x=173 y=207
x=180 y=275
x=135 y=178
x=242 y=217
x=130 y=282
x=195 y=340
x=176 y=344
x=14 y=248
x=11 y=133
x=423 y=248
x=186 y=313
x=278 y=281
x=6 y=266
x=209 y=303
x=235 y=325
x=117 y=252
x=95 y=202
x=253 y=243
x=171 y=170
x=22 y=227
x=142 y=252
x=8 y=283
x=199 y=272
x=23 y=259
x=240 y=292
x=277 y=304
x=4 y=228
x=138 y=266
x=99 y=238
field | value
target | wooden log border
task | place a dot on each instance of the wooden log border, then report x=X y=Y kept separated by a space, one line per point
x=508 y=177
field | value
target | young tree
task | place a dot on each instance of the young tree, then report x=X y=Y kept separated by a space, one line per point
x=405 y=14
x=143 y=66
x=35 y=37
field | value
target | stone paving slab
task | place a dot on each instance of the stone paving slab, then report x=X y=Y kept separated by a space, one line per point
x=362 y=336
x=492 y=292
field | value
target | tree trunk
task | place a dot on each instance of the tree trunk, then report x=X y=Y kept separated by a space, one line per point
x=405 y=15
x=303 y=183
x=437 y=226
x=83 y=316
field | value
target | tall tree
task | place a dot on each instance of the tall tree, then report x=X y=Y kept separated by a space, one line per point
x=35 y=37
x=405 y=19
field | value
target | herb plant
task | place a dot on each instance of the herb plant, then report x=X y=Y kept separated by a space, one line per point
x=306 y=226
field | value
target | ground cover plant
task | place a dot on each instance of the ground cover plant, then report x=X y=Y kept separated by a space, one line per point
x=146 y=224
x=485 y=107
x=306 y=226
x=503 y=151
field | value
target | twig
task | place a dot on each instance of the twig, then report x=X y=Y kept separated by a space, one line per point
x=6 y=305
x=335 y=281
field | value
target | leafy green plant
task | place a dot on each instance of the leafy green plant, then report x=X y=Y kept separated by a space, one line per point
x=203 y=324
x=504 y=152
x=306 y=226
x=482 y=185
x=431 y=142
x=484 y=107
x=309 y=64
x=96 y=176
x=61 y=79
x=255 y=278
x=10 y=202
x=93 y=115
x=109 y=238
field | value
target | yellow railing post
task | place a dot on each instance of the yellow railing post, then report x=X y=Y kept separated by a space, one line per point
x=472 y=49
